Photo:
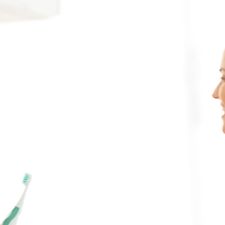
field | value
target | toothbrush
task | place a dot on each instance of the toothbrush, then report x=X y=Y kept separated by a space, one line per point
x=13 y=216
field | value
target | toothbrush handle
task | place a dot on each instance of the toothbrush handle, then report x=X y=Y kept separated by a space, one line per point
x=11 y=216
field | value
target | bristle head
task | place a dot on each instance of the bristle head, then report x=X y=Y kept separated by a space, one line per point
x=27 y=179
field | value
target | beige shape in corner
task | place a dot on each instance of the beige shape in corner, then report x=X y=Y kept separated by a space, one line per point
x=222 y=66
x=219 y=91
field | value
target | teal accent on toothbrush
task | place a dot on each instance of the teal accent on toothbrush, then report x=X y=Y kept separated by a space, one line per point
x=13 y=216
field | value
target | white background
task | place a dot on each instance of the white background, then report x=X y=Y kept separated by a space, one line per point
x=101 y=105
x=11 y=10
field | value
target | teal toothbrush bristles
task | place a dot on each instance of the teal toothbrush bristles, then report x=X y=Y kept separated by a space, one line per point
x=26 y=179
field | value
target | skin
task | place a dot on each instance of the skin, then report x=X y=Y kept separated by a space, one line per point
x=219 y=93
